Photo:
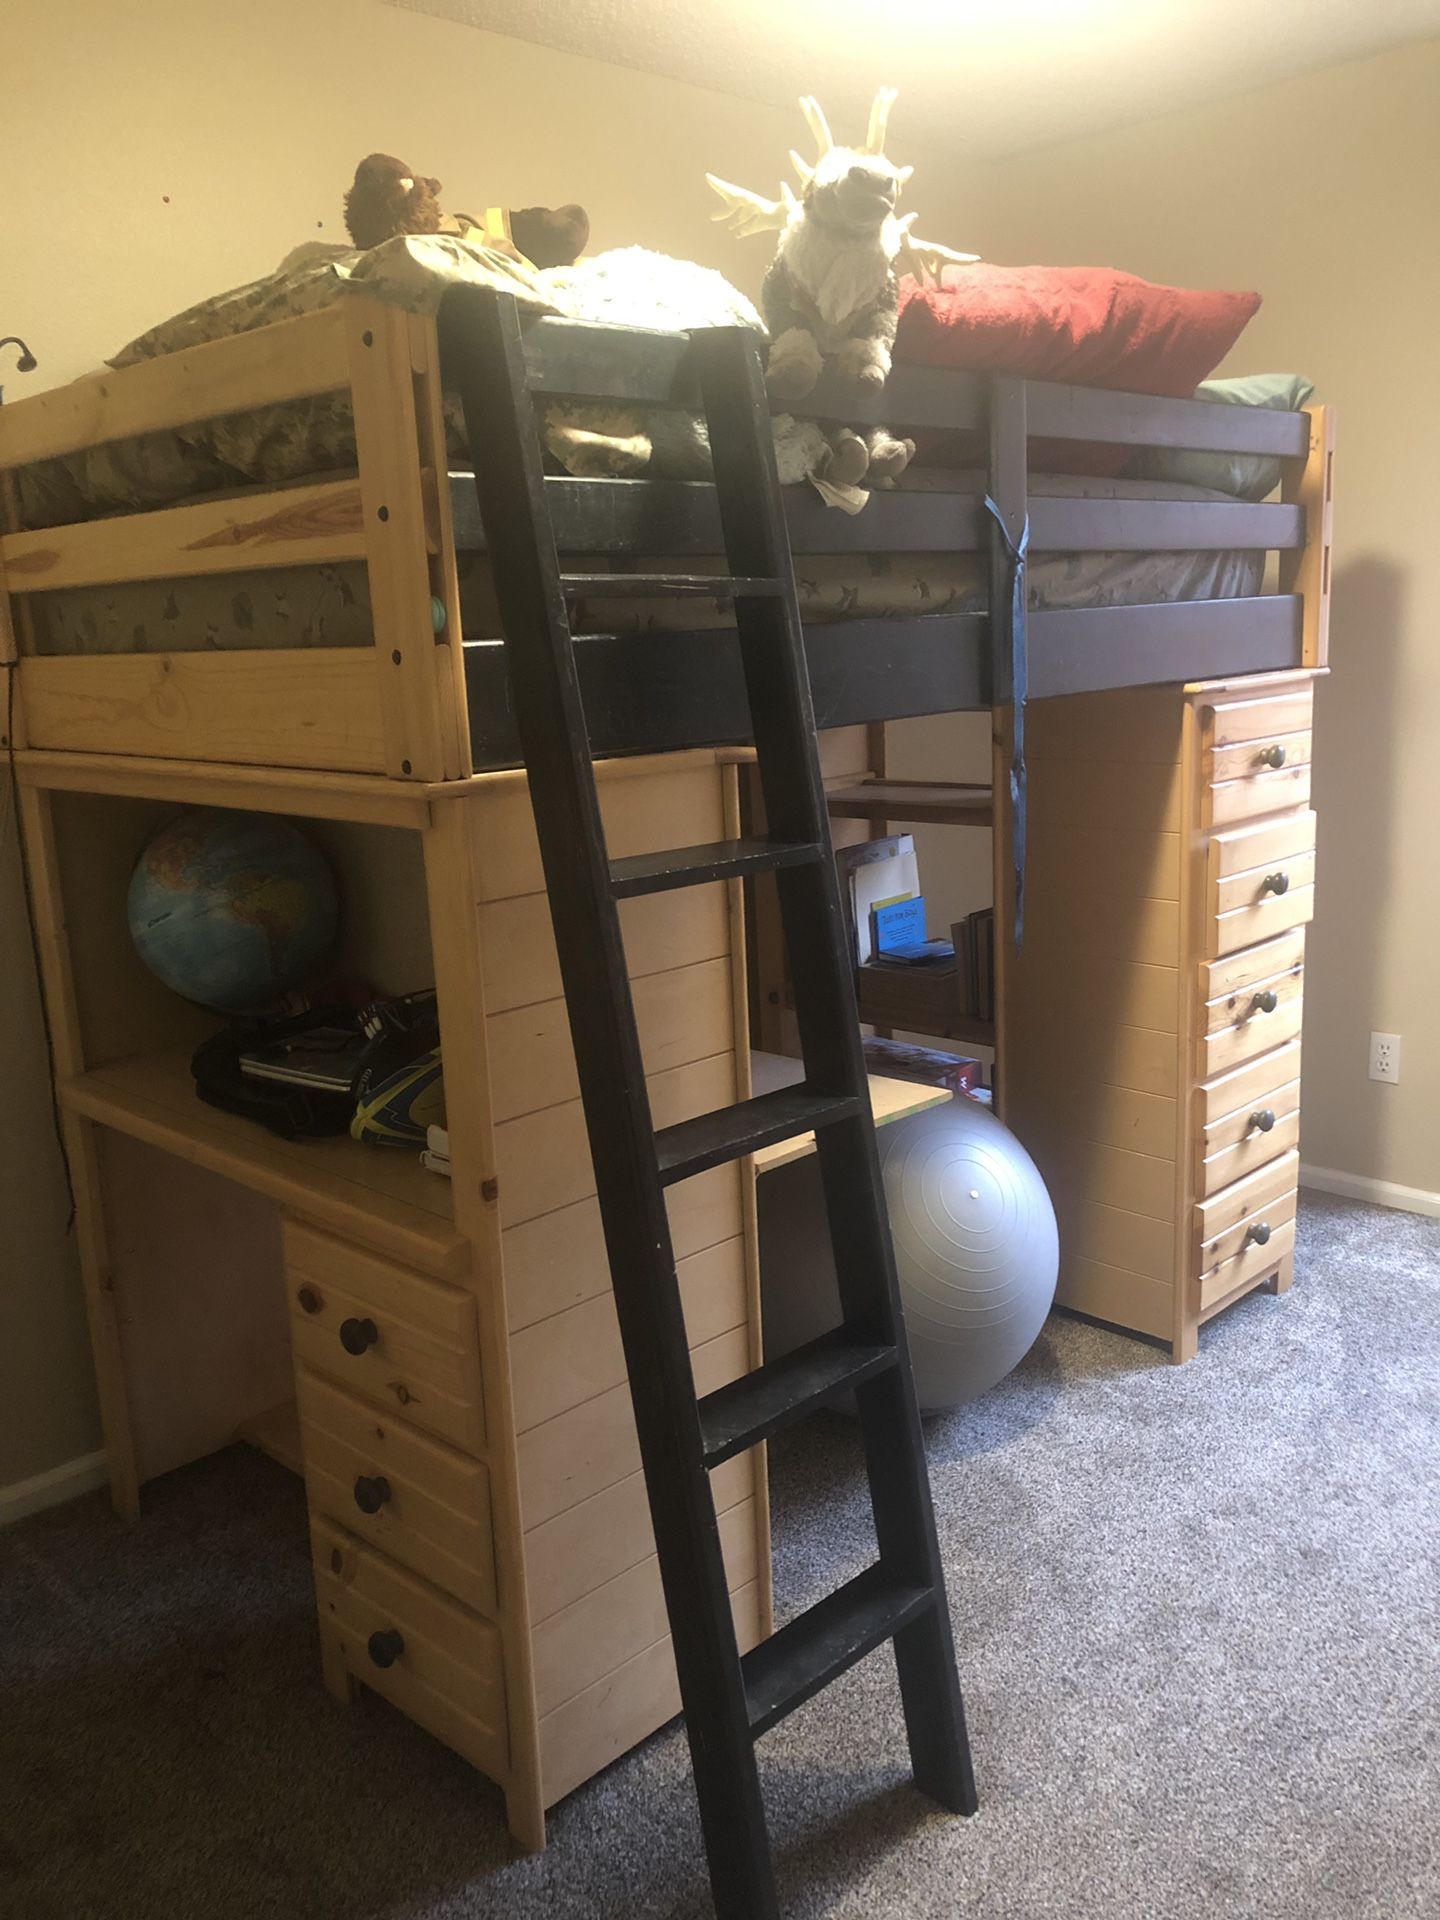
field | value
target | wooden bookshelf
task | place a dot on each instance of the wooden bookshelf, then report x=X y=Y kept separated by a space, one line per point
x=919 y=1000
x=946 y=803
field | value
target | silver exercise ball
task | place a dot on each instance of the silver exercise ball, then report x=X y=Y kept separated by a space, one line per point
x=976 y=1247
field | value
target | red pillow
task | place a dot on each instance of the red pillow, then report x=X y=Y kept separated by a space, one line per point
x=1090 y=326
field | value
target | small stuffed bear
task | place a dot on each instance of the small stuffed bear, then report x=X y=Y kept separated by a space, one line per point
x=389 y=198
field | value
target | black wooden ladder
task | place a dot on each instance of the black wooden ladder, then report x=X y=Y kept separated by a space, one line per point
x=728 y=1701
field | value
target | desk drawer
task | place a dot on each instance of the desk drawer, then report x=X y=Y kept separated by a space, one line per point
x=431 y=1505
x=436 y=1661
x=385 y=1331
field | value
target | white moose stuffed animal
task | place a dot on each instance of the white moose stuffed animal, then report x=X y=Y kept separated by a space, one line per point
x=832 y=292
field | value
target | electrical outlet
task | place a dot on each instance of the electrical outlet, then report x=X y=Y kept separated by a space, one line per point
x=1385 y=1056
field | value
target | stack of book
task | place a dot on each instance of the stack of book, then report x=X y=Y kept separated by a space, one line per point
x=974 y=939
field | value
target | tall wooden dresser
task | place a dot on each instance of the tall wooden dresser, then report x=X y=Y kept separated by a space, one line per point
x=1151 y=1018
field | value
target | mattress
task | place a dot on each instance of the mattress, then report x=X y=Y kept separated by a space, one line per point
x=329 y=606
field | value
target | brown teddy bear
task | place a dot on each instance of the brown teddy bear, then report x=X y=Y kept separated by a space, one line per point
x=389 y=198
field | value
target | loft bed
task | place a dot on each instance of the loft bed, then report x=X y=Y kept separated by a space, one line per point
x=1121 y=1064
x=414 y=705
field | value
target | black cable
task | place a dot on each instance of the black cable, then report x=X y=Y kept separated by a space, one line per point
x=28 y=890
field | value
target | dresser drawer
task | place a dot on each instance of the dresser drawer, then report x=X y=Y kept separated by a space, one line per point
x=385 y=1331
x=1249 y=1086
x=1238 y=1001
x=1224 y=1213
x=1225 y=803
x=1265 y=843
x=1262 y=885
x=1221 y=1282
x=433 y=1659
x=417 y=1500
x=1266 y=718
x=1242 y=1142
x=1249 y=757
x=1227 y=979
x=1233 y=1163
x=1251 y=909
x=1246 y=1024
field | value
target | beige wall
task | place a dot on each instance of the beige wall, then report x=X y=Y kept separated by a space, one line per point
x=1322 y=193
x=154 y=152
x=157 y=151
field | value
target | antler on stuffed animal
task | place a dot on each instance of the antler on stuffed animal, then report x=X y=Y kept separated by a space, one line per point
x=925 y=258
x=817 y=123
x=744 y=212
x=880 y=119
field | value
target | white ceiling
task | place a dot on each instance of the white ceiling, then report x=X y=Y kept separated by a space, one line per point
x=988 y=77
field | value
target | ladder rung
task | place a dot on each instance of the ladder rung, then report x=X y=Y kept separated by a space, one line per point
x=782 y=1391
x=693 y=866
x=817 y=1646
x=621 y=586
x=730 y=1132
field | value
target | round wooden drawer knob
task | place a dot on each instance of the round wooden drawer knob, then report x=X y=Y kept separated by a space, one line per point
x=371 y=1492
x=356 y=1336
x=386 y=1645
x=1258 y=1234
x=309 y=1299
x=1276 y=883
x=1262 y=1121
x=1262 y=1003
x=1271 y=756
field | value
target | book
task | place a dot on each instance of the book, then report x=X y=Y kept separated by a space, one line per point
x=905 y=1060
x=896 y=925
x=964 y=935
x=985 y=963
x=325 y=1058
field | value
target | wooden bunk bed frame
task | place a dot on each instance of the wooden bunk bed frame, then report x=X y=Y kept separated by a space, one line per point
x=414 y=732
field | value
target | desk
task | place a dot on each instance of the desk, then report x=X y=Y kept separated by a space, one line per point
x=464 y=1423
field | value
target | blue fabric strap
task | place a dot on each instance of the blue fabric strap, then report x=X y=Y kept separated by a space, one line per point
x=1014 y=616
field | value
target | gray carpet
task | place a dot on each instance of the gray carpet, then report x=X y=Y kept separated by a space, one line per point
x=1197 y=1617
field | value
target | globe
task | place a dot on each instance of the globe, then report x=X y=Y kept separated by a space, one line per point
x=232 y=910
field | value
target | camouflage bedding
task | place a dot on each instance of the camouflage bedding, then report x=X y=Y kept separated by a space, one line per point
x=329 y=606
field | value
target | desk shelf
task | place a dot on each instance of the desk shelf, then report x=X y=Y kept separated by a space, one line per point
x=890 y=1099
x=376 y=1195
